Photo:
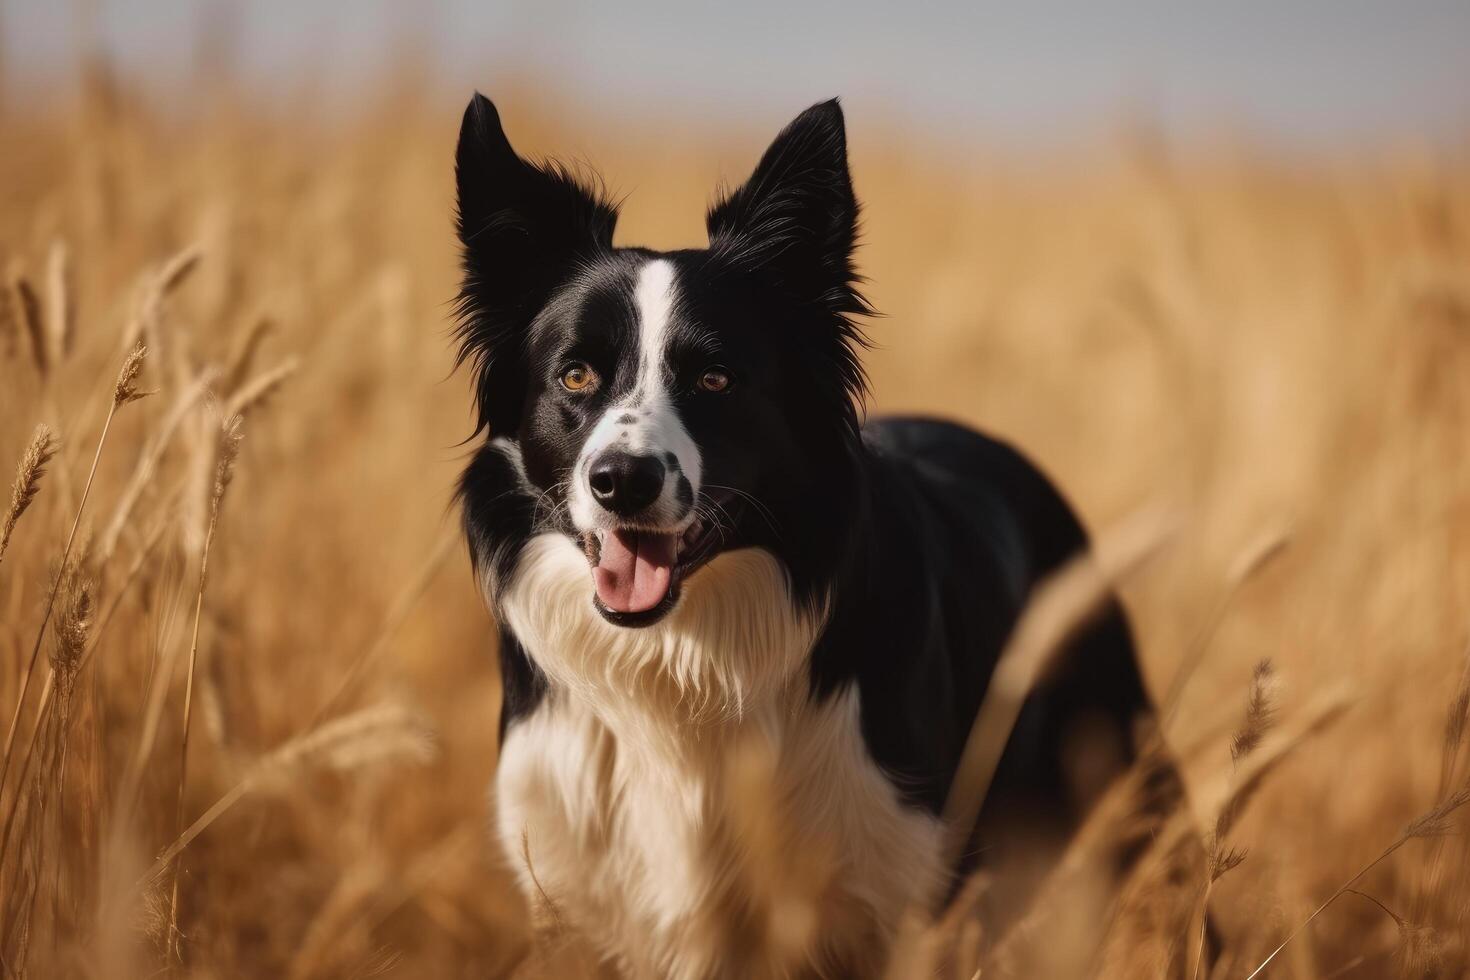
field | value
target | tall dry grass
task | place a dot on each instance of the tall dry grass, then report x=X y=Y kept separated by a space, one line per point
x=240 y=780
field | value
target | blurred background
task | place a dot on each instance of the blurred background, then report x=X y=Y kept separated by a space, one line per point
x=1210 y=260
x=1310 y=73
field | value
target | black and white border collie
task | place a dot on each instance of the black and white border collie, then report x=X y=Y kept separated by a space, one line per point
x=690 y=539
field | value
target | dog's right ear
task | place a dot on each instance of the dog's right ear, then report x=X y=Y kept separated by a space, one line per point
x=523 y=227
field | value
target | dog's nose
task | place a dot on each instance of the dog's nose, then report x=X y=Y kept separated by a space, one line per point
x=624 y=483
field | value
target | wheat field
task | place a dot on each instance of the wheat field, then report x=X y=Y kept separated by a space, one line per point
x=249 y=689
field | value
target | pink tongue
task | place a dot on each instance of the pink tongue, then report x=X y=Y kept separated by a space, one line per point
x=634 y=569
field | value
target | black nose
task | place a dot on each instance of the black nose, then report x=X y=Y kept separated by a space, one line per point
x=624 y=483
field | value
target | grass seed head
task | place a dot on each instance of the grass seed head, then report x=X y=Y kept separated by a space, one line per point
x=1436 y=822
x=1260 y=712
x=27 y=309
x=39 y=452
x=74 y=618
x=1223 y=861
x=229 y=451
x=126 y=389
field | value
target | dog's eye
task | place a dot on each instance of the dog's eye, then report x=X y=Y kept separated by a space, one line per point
x=715 y=379
x=578 y=377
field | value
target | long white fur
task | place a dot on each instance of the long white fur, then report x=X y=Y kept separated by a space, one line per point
x=617 y=787
x=657 y=428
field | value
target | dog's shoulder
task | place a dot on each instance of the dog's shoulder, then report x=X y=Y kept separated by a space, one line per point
x=498 y=507
x=498 y=504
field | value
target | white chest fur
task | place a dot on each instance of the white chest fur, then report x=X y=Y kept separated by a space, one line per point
x=680 y=798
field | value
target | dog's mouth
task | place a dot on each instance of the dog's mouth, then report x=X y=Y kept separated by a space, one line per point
x=637 y=572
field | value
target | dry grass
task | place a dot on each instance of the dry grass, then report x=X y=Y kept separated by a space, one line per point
x=1274 y=352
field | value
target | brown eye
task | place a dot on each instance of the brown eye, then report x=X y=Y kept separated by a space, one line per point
x=578 y=377
x=715 y=380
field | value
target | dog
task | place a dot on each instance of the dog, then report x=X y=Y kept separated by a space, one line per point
x=698 y=554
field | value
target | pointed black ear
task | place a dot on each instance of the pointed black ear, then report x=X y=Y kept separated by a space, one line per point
x=795 y=219
x=523 y=228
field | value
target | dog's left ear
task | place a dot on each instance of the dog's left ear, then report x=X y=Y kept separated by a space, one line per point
x=795 y=220
x=524 y=228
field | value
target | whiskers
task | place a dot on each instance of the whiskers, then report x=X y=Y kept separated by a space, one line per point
x=712 y=514
x=760 y=508
x=546 y=498
x=551 y=509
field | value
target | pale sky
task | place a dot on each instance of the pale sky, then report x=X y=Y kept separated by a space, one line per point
x=1295 y=71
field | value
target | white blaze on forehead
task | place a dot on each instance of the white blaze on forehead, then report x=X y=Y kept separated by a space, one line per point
x=653 y=426
x=654 y=299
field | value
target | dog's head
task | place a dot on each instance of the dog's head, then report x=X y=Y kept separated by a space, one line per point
x=668 y=406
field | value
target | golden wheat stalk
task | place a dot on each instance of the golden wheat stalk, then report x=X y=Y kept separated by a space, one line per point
x=125 y=390
x=254 y=392
x=27 y=309
x=783 y=877
x=158 y=682
x=397 y=615
x=60 y=306
x=243 y=357
x=1260 y=718
x=74 y=619
x=1457 y=722
x=360 y=903
x=40 y=331
x=150 y=309
x=27 y=481
x=93 y=637
x=74 y=622
x=77 y=641
x=149 y=459
x=151 y=326
x=140 y=558
x=1261 y=552
x=145 y=325
x=1418 y=947
x=375 y=734
x=1430 y=824
x=229 y=449
x=1260 y=713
